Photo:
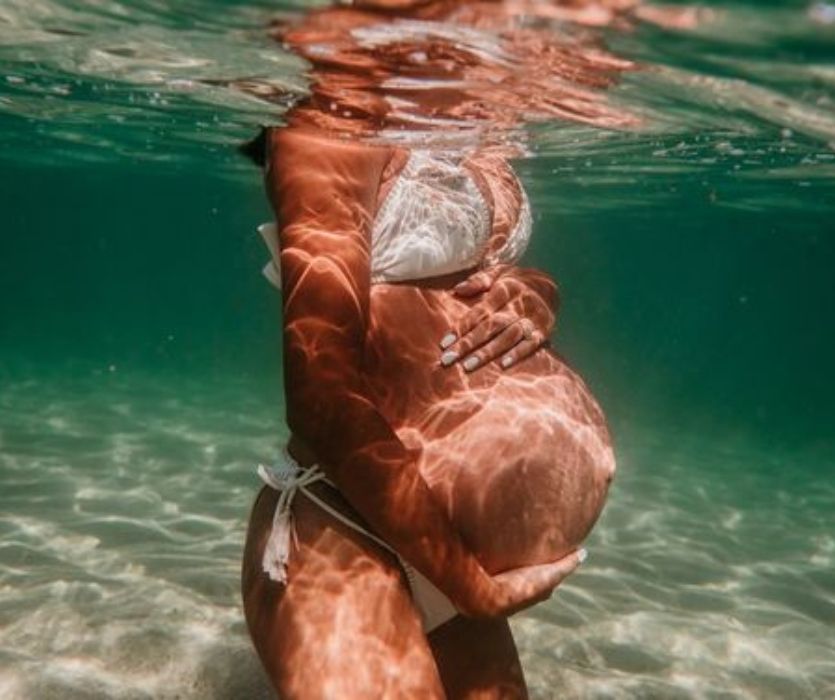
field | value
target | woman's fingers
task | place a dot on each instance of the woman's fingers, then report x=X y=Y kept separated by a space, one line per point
x=502 y=343
x=539 y=578
x=501 y=337
x=479 y=282
x=532 y=584
x=477 y=337
x=496 y=297
x=489 y=330
x=478 y=315
x=525 y=348
x=505 y=300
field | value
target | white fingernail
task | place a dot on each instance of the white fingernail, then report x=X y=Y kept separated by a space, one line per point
x=470 y=363
x=582 y=555
x=506 y=362
x=448 y=340
x=448 y=358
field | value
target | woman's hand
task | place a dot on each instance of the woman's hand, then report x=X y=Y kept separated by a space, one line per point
x=517 y=589
x=512 y=321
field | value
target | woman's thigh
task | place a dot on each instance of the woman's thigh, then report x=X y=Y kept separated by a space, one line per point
x=344 y=625
x=478 y=660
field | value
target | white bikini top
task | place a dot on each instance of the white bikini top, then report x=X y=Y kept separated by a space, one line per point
x=433 y=221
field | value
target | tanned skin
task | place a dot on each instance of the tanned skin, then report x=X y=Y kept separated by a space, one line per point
x=485 y=481
x=346 y=619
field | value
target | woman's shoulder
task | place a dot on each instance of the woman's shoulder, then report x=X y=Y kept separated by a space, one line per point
x=317 y=141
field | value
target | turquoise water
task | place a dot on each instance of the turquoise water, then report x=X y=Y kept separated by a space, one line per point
x=140 y=364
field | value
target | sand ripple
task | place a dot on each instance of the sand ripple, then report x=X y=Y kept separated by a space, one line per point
x=122 y=517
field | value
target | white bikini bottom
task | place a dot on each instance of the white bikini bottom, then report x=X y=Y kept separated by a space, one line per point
x=287 y=477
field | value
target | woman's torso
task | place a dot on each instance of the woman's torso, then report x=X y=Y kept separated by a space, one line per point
x=520 y=458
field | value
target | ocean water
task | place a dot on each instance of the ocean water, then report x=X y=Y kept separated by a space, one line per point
x=140 y=356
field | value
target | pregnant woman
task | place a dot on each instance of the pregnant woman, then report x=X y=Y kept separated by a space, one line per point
x=427 y=491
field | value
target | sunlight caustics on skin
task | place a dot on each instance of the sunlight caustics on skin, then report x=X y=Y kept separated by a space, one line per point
x=140 y=383
x=468 y=470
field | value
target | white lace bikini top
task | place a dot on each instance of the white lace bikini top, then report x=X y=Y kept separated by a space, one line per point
x=433 y=221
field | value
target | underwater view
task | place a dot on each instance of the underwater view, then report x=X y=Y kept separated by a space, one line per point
x=141 y=348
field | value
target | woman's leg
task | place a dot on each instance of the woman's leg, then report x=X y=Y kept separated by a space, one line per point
x=478 y=659
x=344 y=626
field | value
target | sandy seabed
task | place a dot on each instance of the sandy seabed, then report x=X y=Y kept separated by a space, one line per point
x=122 y=515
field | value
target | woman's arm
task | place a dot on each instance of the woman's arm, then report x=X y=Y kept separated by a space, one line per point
x=324 y=194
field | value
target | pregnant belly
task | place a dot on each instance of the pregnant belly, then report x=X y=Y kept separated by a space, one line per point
x=521 y=460
x=522 y=466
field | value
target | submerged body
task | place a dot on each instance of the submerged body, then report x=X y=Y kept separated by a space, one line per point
x=483 y=477
x=489 y=471
x=519 y=457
